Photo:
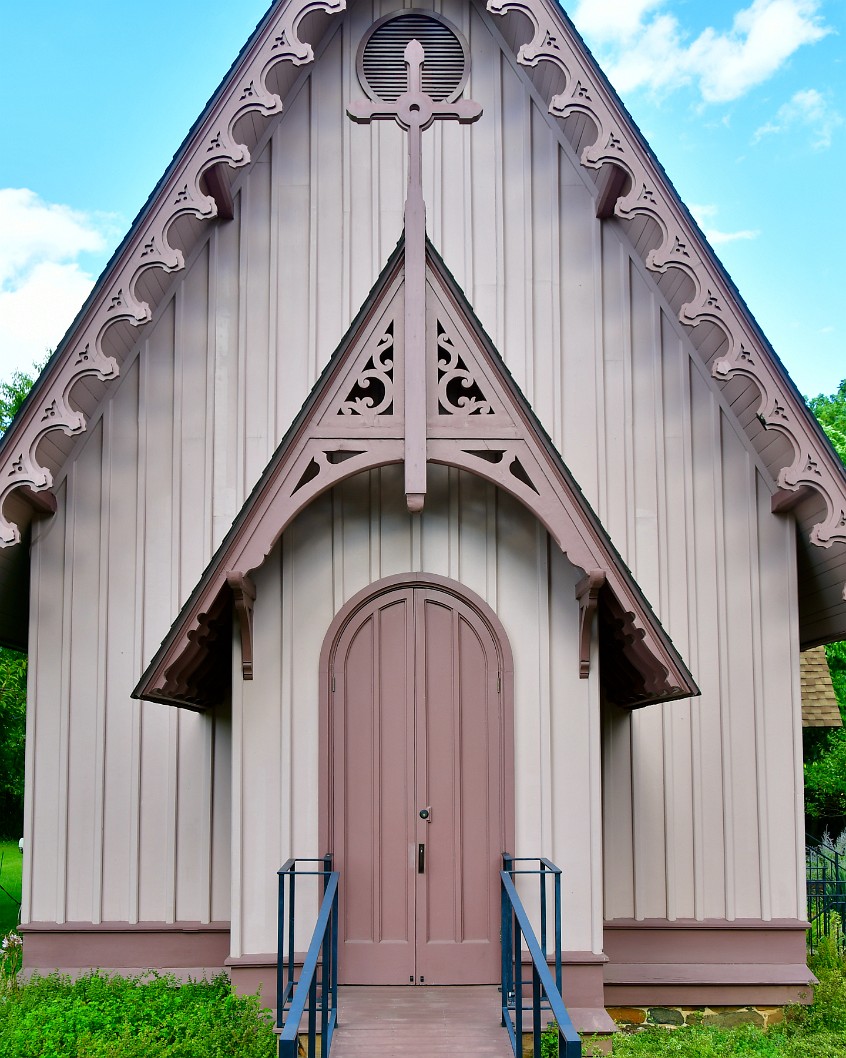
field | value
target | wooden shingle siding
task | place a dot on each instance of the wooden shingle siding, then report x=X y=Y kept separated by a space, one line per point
x=819 y=703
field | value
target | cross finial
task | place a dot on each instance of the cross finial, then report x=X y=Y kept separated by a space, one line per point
x=415 y=111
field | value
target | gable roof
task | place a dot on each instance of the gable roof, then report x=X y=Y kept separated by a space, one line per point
x=632 y=191
x=476 y=419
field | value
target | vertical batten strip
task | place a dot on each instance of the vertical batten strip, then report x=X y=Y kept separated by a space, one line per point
x=454 y=523
x=241 y=425
x=375 y=490
x=140 y=630
x=542 y=572
x=499 y=199
x=528 y=247
x=664 y=602
x=177 y=347
x=758 y=696
x=63 y=821
x=101 y=722
x=236 y=935
x=39 y=528
x=599 y=361
x=288 y=783
x=555 y=351
x=692 y=603
x=212 y=424
x=792 y=578
x=724 y=653
x=491 y=548
x=275 y=429
x=206 y=839
x=311 y=146
x=595 y=799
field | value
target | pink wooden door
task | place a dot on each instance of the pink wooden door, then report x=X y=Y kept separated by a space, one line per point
x=417 y=727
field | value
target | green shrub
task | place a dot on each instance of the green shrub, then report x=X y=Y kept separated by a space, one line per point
x=153 y=1016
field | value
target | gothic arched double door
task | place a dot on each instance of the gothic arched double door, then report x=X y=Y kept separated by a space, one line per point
x=419 y=800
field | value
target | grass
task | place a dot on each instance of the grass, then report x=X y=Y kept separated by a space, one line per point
x=10 y=881
x=152 y=1016
x=815 y=1031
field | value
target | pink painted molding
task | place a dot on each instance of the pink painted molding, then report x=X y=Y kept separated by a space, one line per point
x=476 y=420
x=214 y=143
x=705 y=962
x=618 y=149
x=140 y=945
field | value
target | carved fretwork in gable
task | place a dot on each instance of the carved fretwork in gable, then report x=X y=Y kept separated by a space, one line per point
x=186 y=192
x=371 y=395
x=476 y=420
x=630 y=184
x=458 y=392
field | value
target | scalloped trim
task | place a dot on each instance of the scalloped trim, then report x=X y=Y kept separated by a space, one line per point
x=682 y=248
x=182 y=196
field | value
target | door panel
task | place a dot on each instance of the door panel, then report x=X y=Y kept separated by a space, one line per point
x=417 y=724
x=374 y=744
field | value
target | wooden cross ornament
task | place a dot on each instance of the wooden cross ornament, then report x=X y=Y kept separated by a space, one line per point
x=415 y=111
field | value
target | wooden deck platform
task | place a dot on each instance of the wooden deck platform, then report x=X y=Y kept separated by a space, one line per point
x=419 y=1021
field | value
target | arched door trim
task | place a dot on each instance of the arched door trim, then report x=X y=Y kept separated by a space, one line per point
x=506 y=661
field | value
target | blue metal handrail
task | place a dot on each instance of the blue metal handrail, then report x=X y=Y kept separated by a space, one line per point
x=296 y=995
x=545 y=991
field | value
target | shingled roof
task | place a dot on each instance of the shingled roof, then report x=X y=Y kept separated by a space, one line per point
x=819 y=703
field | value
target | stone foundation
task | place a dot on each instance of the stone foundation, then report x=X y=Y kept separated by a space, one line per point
x=632 y=1019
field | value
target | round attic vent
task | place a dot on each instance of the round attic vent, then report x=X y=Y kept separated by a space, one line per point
x=381 y=64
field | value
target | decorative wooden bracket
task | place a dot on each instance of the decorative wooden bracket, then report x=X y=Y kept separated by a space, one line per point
x=43 y=502
x=244 y=597
x=476 y=420
x=611 y=184
x=193 y=187
x=616 y=148
x=785 y=500
x=218 y=187
x=587 y=593
x=415 y=111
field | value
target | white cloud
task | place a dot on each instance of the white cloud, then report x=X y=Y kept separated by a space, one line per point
x=644 y=47
x=704 y=216
x=611 y=20
x=42 y=282
x=808 y=110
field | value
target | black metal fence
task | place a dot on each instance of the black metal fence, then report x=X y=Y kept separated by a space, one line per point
x=825 y=872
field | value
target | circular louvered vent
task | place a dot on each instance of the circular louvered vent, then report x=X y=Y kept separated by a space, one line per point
x=381 y=62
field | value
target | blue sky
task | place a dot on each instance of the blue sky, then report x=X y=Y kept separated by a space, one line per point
x=743 y=101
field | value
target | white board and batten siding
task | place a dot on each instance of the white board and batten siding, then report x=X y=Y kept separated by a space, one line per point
x=128 y=818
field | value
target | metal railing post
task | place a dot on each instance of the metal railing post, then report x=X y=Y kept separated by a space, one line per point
x=545 y=991
x=321 y=959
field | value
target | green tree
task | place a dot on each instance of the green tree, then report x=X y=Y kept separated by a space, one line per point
x=825 y=763
x=831 y=415
x=12 y=664
x=13 y=393
x=12 y=736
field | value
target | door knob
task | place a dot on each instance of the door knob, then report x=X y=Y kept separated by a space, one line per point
x=426 y=814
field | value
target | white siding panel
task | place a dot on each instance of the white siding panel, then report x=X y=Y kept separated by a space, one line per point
x=535 y=600
x=693 y=827
x=45 y=727
x=84 y=733
x=120 y=805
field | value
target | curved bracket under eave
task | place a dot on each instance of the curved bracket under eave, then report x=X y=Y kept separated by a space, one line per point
x=630 y=185
x=490 y=432
x=194 y=188
x=244 y=597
